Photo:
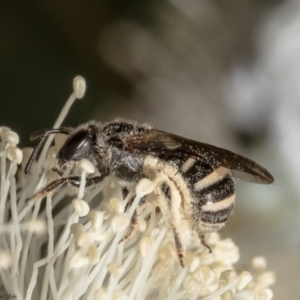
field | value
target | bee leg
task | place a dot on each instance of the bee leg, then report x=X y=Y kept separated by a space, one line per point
x=157 y=211
x=202 y=238
x=125 y=192
x=169 y=199
x=130 y=232
x=128 y=204
x=179 y=247
x=52 y=186
x=90 y=181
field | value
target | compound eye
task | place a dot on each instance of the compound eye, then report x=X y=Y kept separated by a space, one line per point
x=76 y=147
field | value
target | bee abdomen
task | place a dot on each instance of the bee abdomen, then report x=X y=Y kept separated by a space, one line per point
x=213 y=201
x=215 y=190
x=217 y=198
x=215 y=214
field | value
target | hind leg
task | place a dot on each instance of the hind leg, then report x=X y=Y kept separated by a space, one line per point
x=203 y=242
x=169 y=200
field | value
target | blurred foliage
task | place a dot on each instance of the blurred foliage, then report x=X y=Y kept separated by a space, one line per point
x=45 y=43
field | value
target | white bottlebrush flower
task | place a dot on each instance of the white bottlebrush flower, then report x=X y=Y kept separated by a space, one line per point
x=67 y=246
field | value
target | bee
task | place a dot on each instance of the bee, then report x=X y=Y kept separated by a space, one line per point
x=191 y=176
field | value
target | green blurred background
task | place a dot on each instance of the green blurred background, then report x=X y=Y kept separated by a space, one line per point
x=223 y=72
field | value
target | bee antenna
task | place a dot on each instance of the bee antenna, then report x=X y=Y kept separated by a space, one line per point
x=43 y=134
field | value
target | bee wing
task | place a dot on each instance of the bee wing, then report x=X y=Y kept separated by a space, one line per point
x=158 y=143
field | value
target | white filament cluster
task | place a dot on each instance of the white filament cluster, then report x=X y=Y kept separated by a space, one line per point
x=78 y=254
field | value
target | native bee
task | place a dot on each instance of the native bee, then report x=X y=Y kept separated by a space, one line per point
x=193 y=176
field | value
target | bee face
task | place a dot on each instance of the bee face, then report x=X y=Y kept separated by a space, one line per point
x=189 y=176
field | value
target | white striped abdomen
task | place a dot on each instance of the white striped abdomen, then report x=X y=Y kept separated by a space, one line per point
x=213 y=194
x=207 y=194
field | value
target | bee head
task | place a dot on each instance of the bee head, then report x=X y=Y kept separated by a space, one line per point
x=77 y=146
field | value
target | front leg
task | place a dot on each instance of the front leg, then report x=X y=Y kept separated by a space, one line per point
x=73 y=180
